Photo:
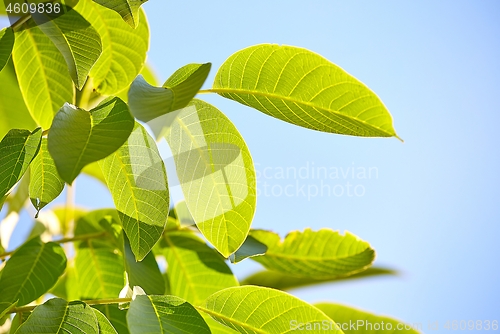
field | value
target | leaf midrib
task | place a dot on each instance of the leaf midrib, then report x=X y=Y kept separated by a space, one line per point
x=231 y=320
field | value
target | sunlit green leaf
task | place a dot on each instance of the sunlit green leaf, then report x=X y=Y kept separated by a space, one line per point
x=148 y=74
x=116 y=316
x=148 y=102
x=217 y=327
x=45 y=183
x=319 y=254
x=31 y=271
x=164 y=314
x=75 y=38
x=105 y=326
x=42 y=73
x=216 y=173
x=301 y=87
x=128 y=9
x=124 y=48
x=6 y=45
x=251 y=309
x=59 y=316
x=282 y=281
x=136 y=177
x=17 y=149
x=145 y=273
x=79 y=137
x=11 y=99
x=195 y=271
x=364 y=322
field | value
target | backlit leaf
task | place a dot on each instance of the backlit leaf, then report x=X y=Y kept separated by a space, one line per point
x=17 y=149
x=42 y=73
x=148 y=102
x=45 y=182
x=136 y=177
x=6 y=45
x=250 y=248
x=124 y=48
x=31 y=271
x=116 y=316
x=364 y=322
x=195 y=271
x=319 y=254
x=251 y=309
x=216 y=173
x=301 y=87
x=128 y=9
x=59 y=316
x=79 y=137
x=75 y=38
x=164 y=314
x=105 y=326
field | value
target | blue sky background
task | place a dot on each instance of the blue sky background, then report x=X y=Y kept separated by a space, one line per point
x=433 y=210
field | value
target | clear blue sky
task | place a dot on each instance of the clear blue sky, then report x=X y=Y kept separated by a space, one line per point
x=432 y=210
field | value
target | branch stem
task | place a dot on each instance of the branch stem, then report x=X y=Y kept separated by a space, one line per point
x=88 y=302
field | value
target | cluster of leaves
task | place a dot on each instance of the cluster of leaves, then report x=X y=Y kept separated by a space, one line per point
x=77 y=97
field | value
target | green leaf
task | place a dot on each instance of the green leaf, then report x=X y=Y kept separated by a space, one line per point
x=45 y=184
x=216 y=173
x=301 y=87
x=364 y=322
x=78 y=42
x=145 y=273
x=5 y=307
x=42 y=73
x=6 y=45
x=79 y=137
x=217 y=327
x=250 y=248
x=116 y=316
x=148 y=102
x=31 y=271
x=59 y=316
x=164 y=314
x=94 y=171
x=11 y=99
x=195 y=271
x=251 y=309
x=282 y=281
x=124 y=48
x=17 y=149
x=128 y=9
x=17 y=199
x=148 y=74
x=136 y=177
x=98 y=261
x=105 y=326
x=319 y=254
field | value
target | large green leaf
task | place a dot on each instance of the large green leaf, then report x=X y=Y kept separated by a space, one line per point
x=17 y=149
x=11 y=99
x=6 y=45
x=319 y=254
x=124 y=48
x=79 y=137
x=195 y=271
x=136 y=177
x=105 y=326
x=148 y=102
x=353 y=321
x=128 y=9
x=59 y=316
x=42 y=73
x=75 y=38
x=98 y=261
x=164 y=314
x=216 y=173
x=282 y=281
x=301 y=87
x=251 y=309
x=31 y=271
x=45 y=182
x=145 y=273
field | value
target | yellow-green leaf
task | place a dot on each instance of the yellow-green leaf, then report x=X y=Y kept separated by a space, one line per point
x=6 y=45
x=128 y=9
x=303 y=88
